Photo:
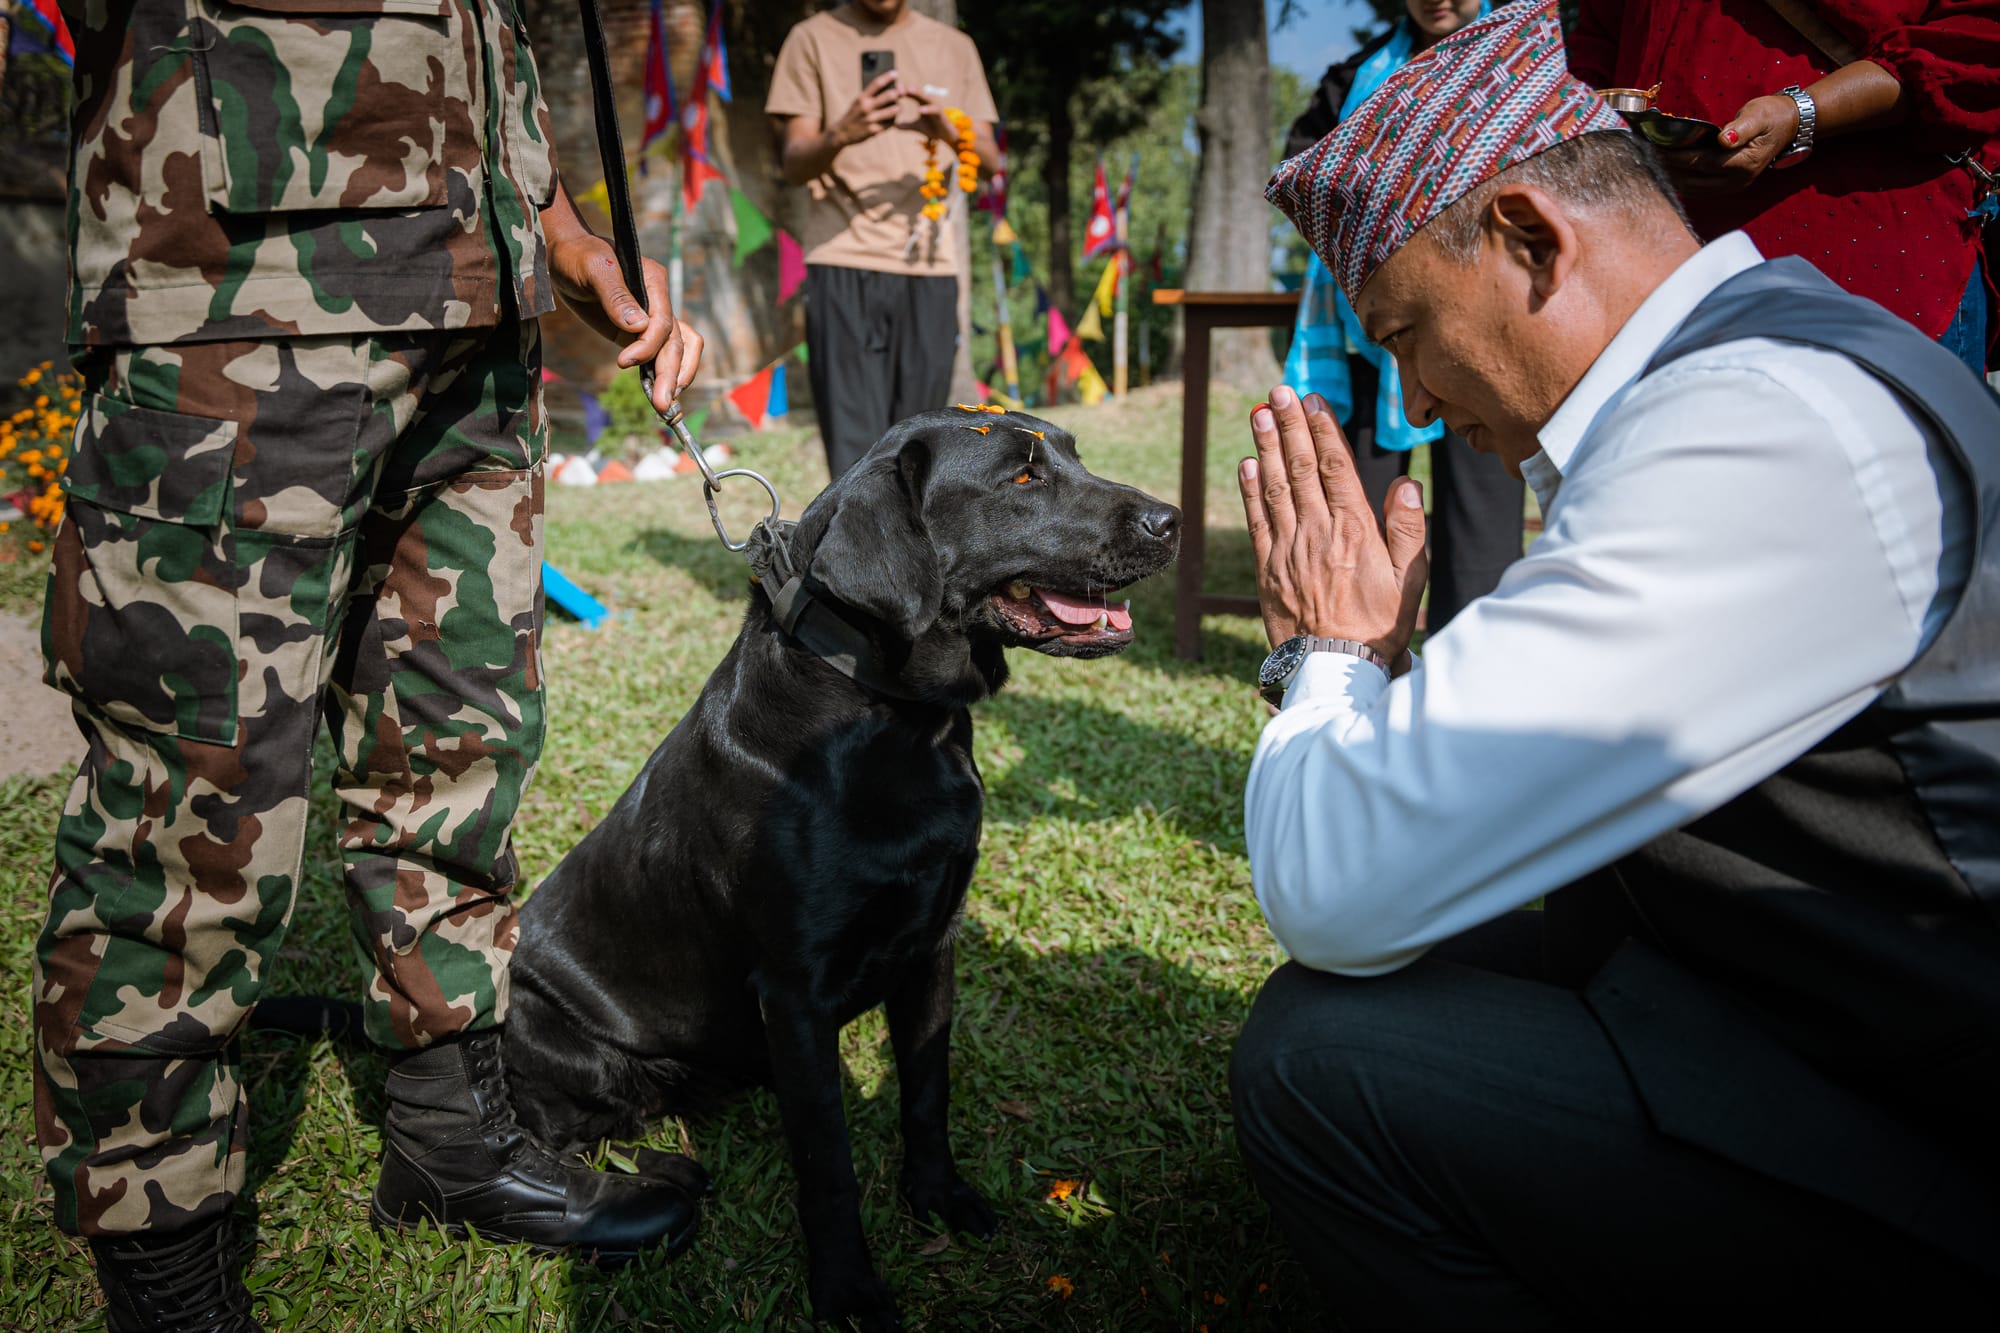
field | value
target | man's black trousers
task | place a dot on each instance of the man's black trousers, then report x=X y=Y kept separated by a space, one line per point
x=1457 y=1145
x=880 y=348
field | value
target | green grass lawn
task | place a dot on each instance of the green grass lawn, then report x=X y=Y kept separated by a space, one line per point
x=1111 y=950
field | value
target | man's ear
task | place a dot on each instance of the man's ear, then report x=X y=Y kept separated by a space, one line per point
x=875 y=555
x=1536 y=234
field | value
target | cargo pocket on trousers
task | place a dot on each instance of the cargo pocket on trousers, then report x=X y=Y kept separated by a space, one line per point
x=140 y=623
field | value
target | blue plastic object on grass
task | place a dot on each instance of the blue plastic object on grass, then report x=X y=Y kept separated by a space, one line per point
x=571 y=598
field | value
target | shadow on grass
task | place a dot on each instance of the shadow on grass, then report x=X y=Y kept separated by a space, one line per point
x=1106 y=1070
x=703 y=558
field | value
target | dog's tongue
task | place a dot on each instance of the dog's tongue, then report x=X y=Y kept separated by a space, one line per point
x=1073 y=612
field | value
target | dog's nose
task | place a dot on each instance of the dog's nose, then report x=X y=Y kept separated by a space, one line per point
x=1160 y=521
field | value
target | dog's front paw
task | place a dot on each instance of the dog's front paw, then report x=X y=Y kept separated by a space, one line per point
x=962 y=1207
x=855 y=1301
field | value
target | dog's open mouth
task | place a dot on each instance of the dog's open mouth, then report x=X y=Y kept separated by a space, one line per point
x=1063 y=625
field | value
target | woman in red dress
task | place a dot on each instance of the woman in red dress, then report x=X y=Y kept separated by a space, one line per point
x=1876 y=201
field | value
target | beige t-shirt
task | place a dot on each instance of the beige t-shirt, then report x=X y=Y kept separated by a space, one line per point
x=862 y=212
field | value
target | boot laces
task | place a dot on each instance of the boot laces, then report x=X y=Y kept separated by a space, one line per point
x=191 y=1286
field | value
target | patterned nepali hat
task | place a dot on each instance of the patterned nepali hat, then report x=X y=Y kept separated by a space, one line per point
x=1494 y=93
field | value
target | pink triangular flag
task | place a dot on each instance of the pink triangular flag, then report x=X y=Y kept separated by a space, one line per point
x=1058 y=331
x=791 y=266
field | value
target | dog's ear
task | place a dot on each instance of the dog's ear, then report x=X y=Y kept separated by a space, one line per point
x=875 y=555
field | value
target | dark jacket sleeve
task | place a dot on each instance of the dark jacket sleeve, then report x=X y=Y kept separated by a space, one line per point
x=1322 y=114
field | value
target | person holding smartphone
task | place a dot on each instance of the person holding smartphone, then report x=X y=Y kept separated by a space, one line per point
x=856 y=94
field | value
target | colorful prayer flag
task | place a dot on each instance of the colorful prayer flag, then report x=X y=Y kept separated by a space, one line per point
x=1106 y=295
x=51 y=18
x=1090 y=385
x=1099 y=236
x=753 y=397
x=1058 y=331
x=1004 y=233
x=993 y=197
x=791 y=266
x=753 y=229
x=659 y=82
x=596 y=417
x=696 y=172
x=779 y=402
x=714 y=55
x=1091 y=326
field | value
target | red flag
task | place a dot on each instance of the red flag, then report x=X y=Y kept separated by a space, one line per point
x=714 y=55
x=696 y=172
x=696 y=168
x=1099 y=236
x=993 y=198
x=753 y=397
x=659 y=85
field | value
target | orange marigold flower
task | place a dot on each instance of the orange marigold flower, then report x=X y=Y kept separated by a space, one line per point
x=1062 y=1286
x=1061 y=1190
x=36 y=547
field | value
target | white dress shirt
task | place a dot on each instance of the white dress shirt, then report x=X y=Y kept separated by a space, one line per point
x=1740 y=552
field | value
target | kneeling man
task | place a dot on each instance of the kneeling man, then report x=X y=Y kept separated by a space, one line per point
x=1736 y=715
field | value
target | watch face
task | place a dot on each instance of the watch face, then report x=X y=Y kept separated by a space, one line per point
x=1284 y=659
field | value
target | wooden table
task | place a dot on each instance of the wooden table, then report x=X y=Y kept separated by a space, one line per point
x=1203 y=312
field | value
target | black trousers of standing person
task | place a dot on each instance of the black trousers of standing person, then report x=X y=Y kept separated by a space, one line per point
x=880 y=348
x=1457 y=1145
x=1475 y=505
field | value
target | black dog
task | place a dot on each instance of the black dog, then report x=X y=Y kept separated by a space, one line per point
x=797 y=850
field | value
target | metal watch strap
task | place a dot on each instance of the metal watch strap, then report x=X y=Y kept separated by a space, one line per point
x=1352 y=647
x=1802 y=142
x=1304 y=645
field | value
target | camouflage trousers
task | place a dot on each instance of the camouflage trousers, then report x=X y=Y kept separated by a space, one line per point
x=259 y=533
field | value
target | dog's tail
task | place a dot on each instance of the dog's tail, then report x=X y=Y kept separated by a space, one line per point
x=311 y=1016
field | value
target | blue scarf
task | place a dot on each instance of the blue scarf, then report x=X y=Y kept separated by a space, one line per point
x=1328 y=330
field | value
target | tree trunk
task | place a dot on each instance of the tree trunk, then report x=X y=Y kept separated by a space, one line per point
x=1055 y=180
x=1229 y=233
x=964 y=384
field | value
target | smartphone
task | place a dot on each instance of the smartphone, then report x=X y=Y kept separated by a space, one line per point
x=874 y=64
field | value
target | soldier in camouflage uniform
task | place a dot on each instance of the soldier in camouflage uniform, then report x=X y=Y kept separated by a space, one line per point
x=309 y=241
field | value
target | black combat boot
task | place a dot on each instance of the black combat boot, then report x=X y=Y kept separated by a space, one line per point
x=456 y=1156
x=176 y=1282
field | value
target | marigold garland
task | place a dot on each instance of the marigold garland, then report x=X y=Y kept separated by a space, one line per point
x=933 y=189
x=34 y=448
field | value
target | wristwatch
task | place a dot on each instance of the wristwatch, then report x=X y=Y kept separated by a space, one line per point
x=1285 y=660
x=1802 y=142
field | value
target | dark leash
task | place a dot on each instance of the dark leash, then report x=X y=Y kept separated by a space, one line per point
x=625 y=243
x=811 y=621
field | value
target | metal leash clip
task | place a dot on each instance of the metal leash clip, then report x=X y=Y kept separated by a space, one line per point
x=711 y=480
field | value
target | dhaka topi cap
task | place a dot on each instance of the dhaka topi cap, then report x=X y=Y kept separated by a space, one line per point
x=1494 y=93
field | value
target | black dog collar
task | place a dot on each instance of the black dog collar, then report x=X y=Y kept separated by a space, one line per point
x=813 y=622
